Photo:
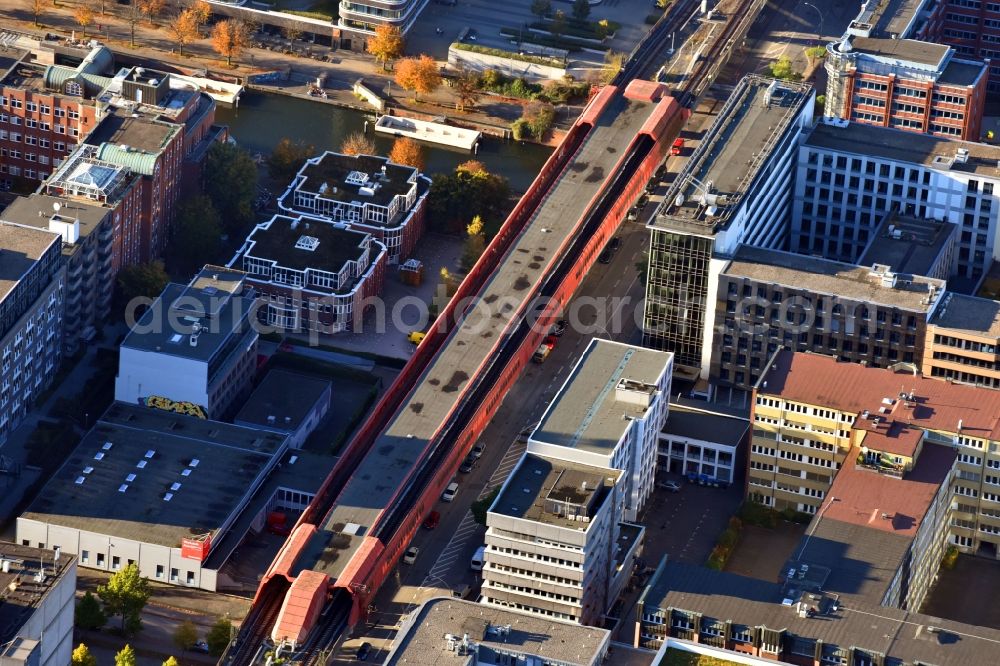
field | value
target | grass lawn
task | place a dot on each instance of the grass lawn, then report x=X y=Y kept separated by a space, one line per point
x=321 y=9
x=678 y=658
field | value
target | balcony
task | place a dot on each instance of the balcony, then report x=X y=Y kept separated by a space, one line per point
x=881 y=464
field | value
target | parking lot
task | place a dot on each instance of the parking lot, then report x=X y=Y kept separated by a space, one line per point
x=441 y=23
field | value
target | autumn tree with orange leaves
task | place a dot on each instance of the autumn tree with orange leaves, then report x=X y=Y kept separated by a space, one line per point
x=387 y=44
x=84 y=15
x=185 y=29
x=408 y=153
x=152 y=8
x=229 y=38
x=420 y=75
x=357 y=143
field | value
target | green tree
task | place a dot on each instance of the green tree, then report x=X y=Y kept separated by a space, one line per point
x=613 y=62
x=581 y=10
x=126 y=656
x=465 y=193
x=231 y=184
x=142 y=280
x=539 y=117
x=195 y=237
x=287 y=158
x=218 y=636
x=126 y=594
x=541 y=7
x=89 y=614
x=185 y=635
x=816 y=52
x=782 y=69
x=171 y=661
x=82 y=657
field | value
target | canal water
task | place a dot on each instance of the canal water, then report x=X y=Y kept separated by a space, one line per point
x=263 y=119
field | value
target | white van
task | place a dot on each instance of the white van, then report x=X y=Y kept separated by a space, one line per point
x=449 y=493
x=478 y=559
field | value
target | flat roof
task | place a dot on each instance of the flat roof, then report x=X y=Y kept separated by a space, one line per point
x=710 y=426
x=286 y=396
x=962 y=72
x=36 y=210
x=9 y=56
x=22 y=593
x=825 y=276
x=894 y=16
x=157 y=447
x=340 y=178
x=20 y=249
x=823 y=381
x=968 y=314
x=731 y=154
x=120 y=128
x=532 y=255
x=904 y=146
x=278 y=240
x=586 y=413
x=912 y=50
x=422 y=641
x=913 y=246
x=899 y=634
x=211 y=303
x=540 y=479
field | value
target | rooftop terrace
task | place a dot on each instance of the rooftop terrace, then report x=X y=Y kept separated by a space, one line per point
x=143 y=133
x=721 y=170
x=36 y=210
x=609 y=382
x=349 y=178
x=148 y=474
x=283 y=399
x=555 y=492
x=824 y=276
x=968 y=314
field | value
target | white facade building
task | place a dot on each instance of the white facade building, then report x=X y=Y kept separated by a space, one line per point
x=196 y=345
x=36 y=615
x=701 y=444
x=609 y=413
x=555 y=543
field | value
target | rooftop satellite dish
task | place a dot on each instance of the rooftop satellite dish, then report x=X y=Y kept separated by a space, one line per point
x=56 y=206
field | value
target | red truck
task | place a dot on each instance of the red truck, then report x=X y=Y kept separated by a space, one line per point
x=677 y=147
x=544 y=349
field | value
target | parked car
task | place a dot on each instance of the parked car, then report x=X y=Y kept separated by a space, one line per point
x=558 y=328
x=478 y=450
x=615 y=244
x=411 y=555
x=467 y=465
x=449 y=493
x=677 y=147
x=433 y=520
x=199 y=646
x=672 y=486
x=364 y=652
x=416 y=337
x=604 y=257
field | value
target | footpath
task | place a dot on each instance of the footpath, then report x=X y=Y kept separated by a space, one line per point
x=294 y=72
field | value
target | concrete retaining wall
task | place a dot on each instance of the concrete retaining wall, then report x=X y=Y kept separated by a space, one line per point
x=508 y=66
x=369 y=95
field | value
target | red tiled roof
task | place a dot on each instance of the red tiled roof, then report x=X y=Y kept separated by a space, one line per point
x=862 y=497
x=850 y=387
x=894 y=437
